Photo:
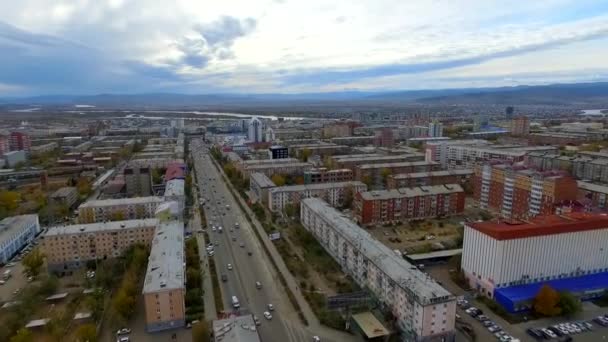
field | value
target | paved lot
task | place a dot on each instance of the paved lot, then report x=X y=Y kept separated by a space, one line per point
x=17 y=281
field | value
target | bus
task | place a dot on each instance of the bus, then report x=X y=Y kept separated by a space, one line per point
x=235 y=302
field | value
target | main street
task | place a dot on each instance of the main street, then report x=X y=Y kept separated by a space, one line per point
x=222 y=210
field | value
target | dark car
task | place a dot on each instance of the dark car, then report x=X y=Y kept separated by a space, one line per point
x=224 y=278
x=535 y=333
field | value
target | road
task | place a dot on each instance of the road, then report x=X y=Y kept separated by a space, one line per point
x=247 y=269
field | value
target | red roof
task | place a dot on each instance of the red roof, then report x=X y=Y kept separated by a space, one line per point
x=542 y=225
x=175 y=170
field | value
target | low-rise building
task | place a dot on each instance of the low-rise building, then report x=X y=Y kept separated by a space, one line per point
x=164 y=285
x=15 y=233
x=352 y=162
x=322 y=149
x=270 y=169
x=15 y=157
x=278 y=152
x=375 y=173
x=68 y=196
x=70 y=247
x=323 y=175
x=118 y=209
x=175 y=190
x=406 y=180
x=333 y=193
x=39 y=149
x=423 y=310
x=404 y=204
x=510 y=261
x=596 y=193
x=259 y=184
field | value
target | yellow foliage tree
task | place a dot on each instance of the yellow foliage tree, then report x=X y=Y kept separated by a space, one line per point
x=546 y=301
x=278 y=180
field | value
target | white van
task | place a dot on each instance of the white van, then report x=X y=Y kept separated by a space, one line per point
x=235 y=302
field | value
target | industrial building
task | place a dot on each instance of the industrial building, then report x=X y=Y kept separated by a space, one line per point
x=518 y=192
x=165 y=282
x=404 y=204
x=118 y=209
x=510 y=261
x=333 y=193
x=423 y=310
x=70 y=247
x=15 y=233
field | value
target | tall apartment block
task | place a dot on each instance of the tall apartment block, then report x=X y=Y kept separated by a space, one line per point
x=165 y=282
x=398 y=205
x=4 y=145
x=70 y=247
x=334 y=193
x=518 y=192
x=423 y=310
x=20 y=141
x=520 y=126
x=118 y=209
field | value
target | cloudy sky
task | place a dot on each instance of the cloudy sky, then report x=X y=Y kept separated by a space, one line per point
x=293 y=46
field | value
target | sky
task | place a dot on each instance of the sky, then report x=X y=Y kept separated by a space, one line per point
x=296 y=46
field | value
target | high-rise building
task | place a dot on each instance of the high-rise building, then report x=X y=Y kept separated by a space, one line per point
x=520 y=126
x=519 y=193
x=509 y=112
x=270 y=137
x=435 y=129
x=4 y=145
x=385 y=138
x=20 y=141
x=255 y=131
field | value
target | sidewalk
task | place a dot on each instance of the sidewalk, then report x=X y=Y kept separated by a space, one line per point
x=313 y=322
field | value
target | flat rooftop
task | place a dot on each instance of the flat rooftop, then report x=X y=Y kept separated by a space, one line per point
x=421 y=286
x=262 y=180
x=236 y=329
x=175 y=187
x=121 y=201
x=12 y=224
x=278 y=165
x=100 y=226
x=381 y=158
x=593 y=187
x=166 y=261
x=542 y=226
x=411 y=192
x=316 y=186
x=400 y=164
x=64 y=192
x=442 y=173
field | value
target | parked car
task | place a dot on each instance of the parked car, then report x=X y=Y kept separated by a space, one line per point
x=256 y=320
x=267 y=315
x=258 y=285
x=270 y=307
x=123 y=331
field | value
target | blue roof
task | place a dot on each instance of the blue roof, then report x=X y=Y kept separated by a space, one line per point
x=509 y=296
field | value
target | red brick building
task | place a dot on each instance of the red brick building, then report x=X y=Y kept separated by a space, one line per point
x=520 y=193
x=20 y=141
x=398 y=205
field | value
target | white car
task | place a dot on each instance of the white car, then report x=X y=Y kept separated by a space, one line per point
x=229 y=266
x=267 y=315
x=270 y=307
x=123 y=331
x=316 y=339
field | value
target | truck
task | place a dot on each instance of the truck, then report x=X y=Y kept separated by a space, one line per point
x=7 y=275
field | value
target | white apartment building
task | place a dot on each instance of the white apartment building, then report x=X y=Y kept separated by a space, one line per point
x=548 y=248
x=332 y=193
x=175 y=191
x=424 y=310
x=118 y=209
x=15 y=233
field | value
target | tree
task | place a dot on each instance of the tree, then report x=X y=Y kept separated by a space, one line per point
x=23 y=335
x=291 y=210
x=385 y=173
x=193 y=278
x=156 y=176
x=9 y=200
x=546 y=302
x=86 y=333
x=94 y=302
x=305 y=154
x=328 y=162
x=84 y=186
x=569 y=304
x=200 y=332
x=33 y=262
x=118 y=215
x=124 y=305
x=299 y=180
x=278 y=180
x=367 y=180
x=348 y=198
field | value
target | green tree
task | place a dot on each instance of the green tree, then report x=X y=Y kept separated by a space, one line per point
x=33 y=262
x=201 y=332
x=291 y=210
x=156 y=176
x=94 y=302
x=546 y=302
x=278 y=180
x=118 y=215
x=86 y=333
x=23 y=335
x=569 y=304
x=193 y=278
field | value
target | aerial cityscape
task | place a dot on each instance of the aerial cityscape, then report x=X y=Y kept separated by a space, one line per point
x=287 y=171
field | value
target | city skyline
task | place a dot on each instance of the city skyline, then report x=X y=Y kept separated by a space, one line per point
x=117 y=46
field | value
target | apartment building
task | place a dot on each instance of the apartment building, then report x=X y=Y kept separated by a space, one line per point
x=118 y=209
x=597 y=194
x=352 y=161
x=245 y=164
x=559 y=138
x=587 y=166
x=138 y=180
x=333 y=193
x=520 y=126
x=406 y=180
x=361 y=140
x=259 y=185
x=165 y=282
x=518 y=192
x=404 y=204
x=67 y=195
x=322 y=149
x=70 y=247
x=269 y=169
x=40 y=149
x=323 y=175
x=175 y=190
x=374 y=172
x=424 y=311
x=437 y=151
x=15 y=233
x=510 y=261
x=20 y=141
x=338 y=129
x=278 y=152
x=4 y=145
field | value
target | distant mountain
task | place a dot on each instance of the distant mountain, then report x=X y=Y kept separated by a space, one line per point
x=558 y=94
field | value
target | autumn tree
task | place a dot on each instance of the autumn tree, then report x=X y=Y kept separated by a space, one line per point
x=305 y=154
x=86 y=333
x=9 y=200
x=569 y=304
x=348 y=198
x=278 y=180
x=201 y=332
x=33 y=261
x=23 y=335
x=367 y=180
x=546 y=302
x=84 y=186
x=385 y=173
x=118 y=215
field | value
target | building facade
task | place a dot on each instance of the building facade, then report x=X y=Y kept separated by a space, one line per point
x=118 y=209
x=15 y=233
x=511 y=261
x=333 y=193
x=404 y=204
x=278 y=152
x=375 y=173
x=424 y=311
x=435 y=129
x=259 y=185
x=351 y=161
x=407 y=180
x=68 y=196
x=70 y=247
x=518 y=192
x=270 y=169
x=20 y=141
x=138 y=181
x=520 y=126
x=323 y=175
x=165 y=282
x=255 y=130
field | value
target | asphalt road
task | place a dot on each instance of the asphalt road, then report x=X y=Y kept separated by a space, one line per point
x=246 y=269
